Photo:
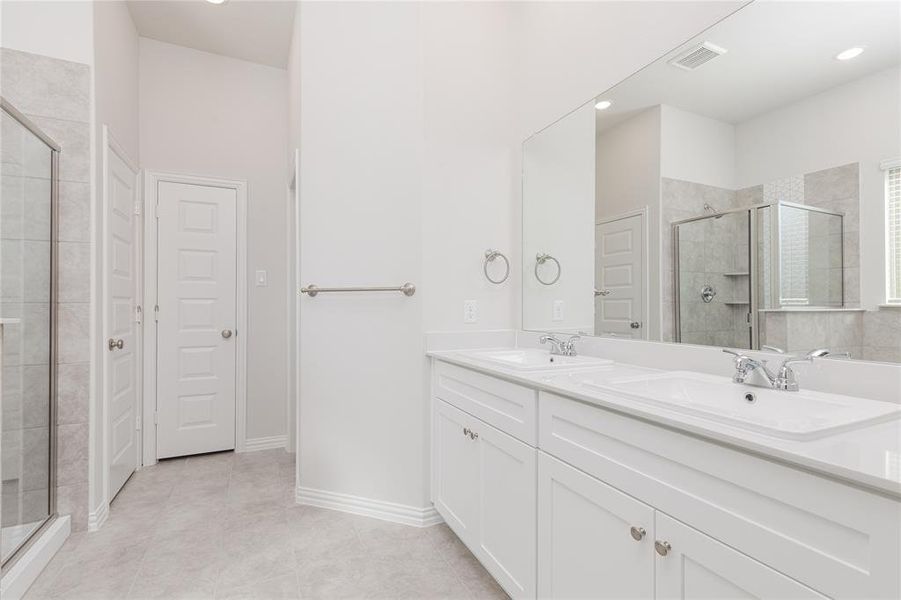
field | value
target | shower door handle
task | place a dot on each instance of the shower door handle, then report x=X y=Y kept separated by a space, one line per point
x=115 y=344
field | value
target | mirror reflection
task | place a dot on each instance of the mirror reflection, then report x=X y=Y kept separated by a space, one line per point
x=738 y=192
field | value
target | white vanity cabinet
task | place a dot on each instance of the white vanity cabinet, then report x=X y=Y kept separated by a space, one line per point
x=483 y=481
x=605 y=505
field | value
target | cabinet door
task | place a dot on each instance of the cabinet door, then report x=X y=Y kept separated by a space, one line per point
x=507 y=510
x=455 y=460
x=697 y=566
x=585 y=544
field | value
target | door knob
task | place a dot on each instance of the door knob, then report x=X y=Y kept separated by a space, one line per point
x=115 y=344
x=226 y=333
x=635 y=324
x=662 y=548
x=638 y=533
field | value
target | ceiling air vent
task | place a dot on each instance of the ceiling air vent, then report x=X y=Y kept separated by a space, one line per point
x=696 y=56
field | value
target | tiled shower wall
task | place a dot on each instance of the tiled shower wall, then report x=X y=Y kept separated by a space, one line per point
x=835 y=189
x=55 y=95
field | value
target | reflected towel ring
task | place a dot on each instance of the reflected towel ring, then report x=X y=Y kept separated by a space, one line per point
x=490 y=255
x=540 y=259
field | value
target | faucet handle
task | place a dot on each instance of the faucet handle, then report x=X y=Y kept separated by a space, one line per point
x=773 y=349
x=732 y=352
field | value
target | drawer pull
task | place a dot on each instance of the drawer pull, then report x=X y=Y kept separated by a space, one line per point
x=662 y=548
x=473 y=435
x=466 y=431
x=638 y=533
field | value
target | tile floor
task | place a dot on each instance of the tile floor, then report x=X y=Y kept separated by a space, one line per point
x=226 y=526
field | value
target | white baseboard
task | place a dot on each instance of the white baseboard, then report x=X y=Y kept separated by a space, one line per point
x=265 y=443
x=96 y=518
x=377 y=509
x=27 y=568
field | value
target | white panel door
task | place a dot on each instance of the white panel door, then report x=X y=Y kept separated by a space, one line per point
x=619 y=278
x=507 y=473
x=697 y=566
x=120 y=366
x=585 y=538
x=456 y=463
x=197 y=315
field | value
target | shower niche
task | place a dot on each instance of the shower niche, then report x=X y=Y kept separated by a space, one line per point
x=729 y=267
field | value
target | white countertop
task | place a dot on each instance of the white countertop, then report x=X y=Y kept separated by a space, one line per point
x=869 y=457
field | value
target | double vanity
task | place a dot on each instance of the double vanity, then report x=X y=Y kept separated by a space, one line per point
x=581 y=477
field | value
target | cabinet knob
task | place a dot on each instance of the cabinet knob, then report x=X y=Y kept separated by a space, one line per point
x=473 y=435
x=662 y=548
x=466 y=431
x=638 y=533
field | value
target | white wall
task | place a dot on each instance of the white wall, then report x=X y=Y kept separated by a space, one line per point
x=61 y=30
x=362 y=411
x=864 y=125
x=558 y=218
x=628 y=179
x=696 y=148
x=205 y=114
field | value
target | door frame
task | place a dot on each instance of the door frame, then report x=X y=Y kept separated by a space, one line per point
x=293 y=304
x=152 y=179
x=110 y=144
x=645 y=258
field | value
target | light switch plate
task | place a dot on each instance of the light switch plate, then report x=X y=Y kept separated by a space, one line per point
x=470 y=311
x=557 y=310
x=262 y=278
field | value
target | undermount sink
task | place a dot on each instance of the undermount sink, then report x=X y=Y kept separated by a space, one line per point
x=802 y=415
x=529 y=359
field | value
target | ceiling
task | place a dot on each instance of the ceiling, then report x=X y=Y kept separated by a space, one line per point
x=255 y=30
x=777 y=53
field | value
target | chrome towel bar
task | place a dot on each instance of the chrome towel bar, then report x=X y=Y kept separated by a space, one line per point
x=407 y=289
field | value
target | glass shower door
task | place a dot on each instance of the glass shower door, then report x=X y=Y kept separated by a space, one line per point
x=713 y=282
x=26 y=330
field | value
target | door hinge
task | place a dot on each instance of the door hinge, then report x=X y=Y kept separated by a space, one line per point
x=138 y=422
x=156 y=418
x=139 y=314
x=156 y=313
x=156 y=211
x=139 y=207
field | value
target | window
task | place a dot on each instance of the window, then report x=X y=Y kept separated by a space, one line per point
x=893 y=219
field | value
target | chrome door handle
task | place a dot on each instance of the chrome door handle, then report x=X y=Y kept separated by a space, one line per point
x=662 y=548
x=635 y=324
x=226 y=333
x=638 y=533
x=598 y=292
x=115 y=344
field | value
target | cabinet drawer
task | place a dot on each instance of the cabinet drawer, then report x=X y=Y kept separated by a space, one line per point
x=834 y=538
x=507 y=406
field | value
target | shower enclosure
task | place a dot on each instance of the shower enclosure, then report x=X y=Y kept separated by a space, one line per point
x=730 y=265
x=29 y=162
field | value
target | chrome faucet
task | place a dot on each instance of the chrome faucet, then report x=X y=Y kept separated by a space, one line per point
x=559 y=347
x=784 y=377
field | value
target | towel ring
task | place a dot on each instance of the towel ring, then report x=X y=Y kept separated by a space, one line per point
x=490 y=255
x=540 y=259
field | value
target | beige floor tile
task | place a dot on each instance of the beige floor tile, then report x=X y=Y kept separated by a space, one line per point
x=225 y=526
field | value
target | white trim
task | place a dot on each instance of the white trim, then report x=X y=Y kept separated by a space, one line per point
x=890 y=163
x=151 y=183
x=19 y=578
x=265 y=443
x=368 y=507
x=96 y=518
x=293 y=303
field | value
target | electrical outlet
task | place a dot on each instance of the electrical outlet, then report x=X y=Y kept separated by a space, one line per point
x=262 y=278
x=470 y=311
x=557 y=310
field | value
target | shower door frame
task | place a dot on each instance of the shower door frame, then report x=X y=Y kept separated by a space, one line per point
x=55 y=150
x=753 y=248
x=752 y=270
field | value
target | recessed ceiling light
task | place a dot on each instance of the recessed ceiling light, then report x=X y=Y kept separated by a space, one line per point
x=849 y=53
x=603 y=105
x=217 y=1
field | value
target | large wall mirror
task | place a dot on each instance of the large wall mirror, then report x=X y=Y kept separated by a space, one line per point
x=742 y=191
